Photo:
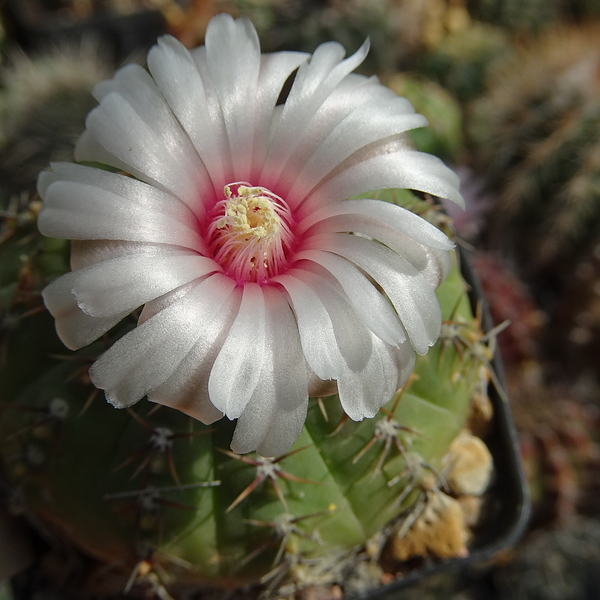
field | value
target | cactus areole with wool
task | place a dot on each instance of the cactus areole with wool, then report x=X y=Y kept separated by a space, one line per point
x=228 y=219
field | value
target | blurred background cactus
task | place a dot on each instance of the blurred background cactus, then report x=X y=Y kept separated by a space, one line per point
x=515 y=15
x=43 y=105
x=535 y=138
x=535 y=144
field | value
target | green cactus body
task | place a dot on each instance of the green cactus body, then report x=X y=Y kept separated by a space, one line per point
x=152 y=484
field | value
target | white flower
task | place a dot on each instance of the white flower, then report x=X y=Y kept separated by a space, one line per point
x=260 y=281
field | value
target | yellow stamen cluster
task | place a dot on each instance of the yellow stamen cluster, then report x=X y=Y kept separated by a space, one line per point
x=250 y=236
x=250 y=212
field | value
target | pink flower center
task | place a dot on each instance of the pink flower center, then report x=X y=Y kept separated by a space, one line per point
x=249 y=234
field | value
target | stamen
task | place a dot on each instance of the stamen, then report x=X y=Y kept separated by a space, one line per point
x=250 y=235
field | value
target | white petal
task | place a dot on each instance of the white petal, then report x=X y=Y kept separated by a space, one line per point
x=438 y=266
x=146 y=357
x=400 y=218
x=86 y=203
x=317 y=334
x=313 y=84
x=153 y=307
x=364 y=392
x=85 y=253
x=398 y=169
x=238 y=366
x=187 y=388
x=353 y=339
x=181 y=84
x=136 y=126
x=371 y=124
x=368 y=302
x=74 y=328
x=284 y=429
x=274 y=416
x=404 y=357
x=432 y=264
x=124 y=283
x=412 y=296
x=135 y=86
x=350 y=336
x=233 y=59
x=317 y=337
x=352 y=93
x=89 y=149
x=275 y=69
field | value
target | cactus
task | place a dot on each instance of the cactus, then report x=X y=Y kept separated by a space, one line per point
x=530 y=16
x=533 y=16
x=462 y=58
x=158 y=500
x=43 y=104
x=151 y=491
x=536 y=141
